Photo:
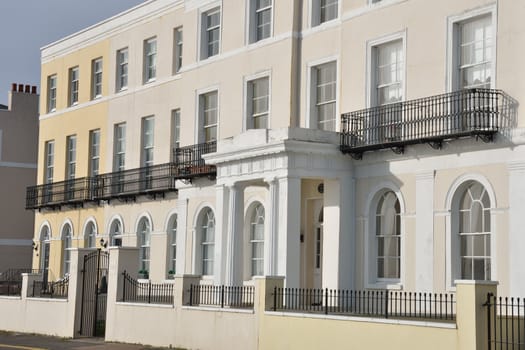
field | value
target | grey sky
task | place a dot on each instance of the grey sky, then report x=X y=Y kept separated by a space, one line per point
x=27 y=25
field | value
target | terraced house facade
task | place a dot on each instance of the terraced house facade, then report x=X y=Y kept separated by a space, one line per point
x=349 y=145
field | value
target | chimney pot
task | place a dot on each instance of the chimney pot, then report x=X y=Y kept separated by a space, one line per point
x=33 y=90
x=27 y=89
x=13 y=87
x=20 y=87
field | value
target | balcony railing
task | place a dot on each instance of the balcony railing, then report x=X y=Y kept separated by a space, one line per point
x=475 y=112
x=152 y=180
x=67 y=192
x=189 y=163
x=133 y=182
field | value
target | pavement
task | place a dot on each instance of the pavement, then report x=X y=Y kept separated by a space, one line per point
x=19 y=341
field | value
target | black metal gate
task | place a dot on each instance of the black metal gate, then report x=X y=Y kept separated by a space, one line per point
x=94 y=294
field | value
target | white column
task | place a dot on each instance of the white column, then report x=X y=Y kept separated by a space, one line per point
x=221 y=233
x=338 y=234
x=234 y=243
x=289 y=250
x=424 y=234
x=516 y=239
x=182 y=232
x=272 y=224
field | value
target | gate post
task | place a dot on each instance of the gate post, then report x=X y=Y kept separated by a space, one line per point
x=471 y=314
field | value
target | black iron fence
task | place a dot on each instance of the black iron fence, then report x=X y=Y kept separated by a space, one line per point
x=189 y=162
x=11 y=281
x=60 y=193
x=236 y=297
x=506 y=322
x=151 y=179
x=370 y=303
x=134 y=291
x=58 y=289
x=473 y=112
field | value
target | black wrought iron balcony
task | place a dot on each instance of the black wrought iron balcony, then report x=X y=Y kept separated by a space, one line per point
x=189 y=163
x=152 y=180
x=69 y=192
x=479 y=113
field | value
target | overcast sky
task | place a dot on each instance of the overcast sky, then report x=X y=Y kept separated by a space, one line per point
x=27 y=25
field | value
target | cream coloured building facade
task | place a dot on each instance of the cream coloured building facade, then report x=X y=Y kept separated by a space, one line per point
x=219 y=138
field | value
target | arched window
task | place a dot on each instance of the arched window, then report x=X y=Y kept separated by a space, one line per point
x=67 y=233
x=207 y=240
x=115 y=233
x=143 y=241
x=388 y=236
x=473 y=213
x=257 y=240
x=90 y=235
x=172 y=245
x=45 y=240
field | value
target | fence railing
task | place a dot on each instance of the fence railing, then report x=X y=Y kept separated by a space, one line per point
x=58 y=289
x=134 y=291
x=151 y=179
x=370 y=303
x=472 y=112
x=10 y=288
x=236 y=297
x=506 y=322
x=189 y=162
x=11 y=280
x=60 y=193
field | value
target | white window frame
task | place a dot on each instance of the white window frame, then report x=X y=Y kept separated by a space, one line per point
x=178 y=49
x=116 y=232
x=119 y=153
x=49 y=160
x=452 y=81
x=371 y=280
x=315 y=13
x=201 y=244
x=150 y=60
x=453 y=271
x=253 y=241
x=94 y=152
x=71 y=157
x=144 y=232
x=51 y=93
x=122 y=72
x=199 y=120
x=66 y=248
x=175 y=128
x=203 y=41
x=311 y=97
x=252 y=24
x=90 y=234
x=172 y=245
x=371 y=95
x=147 y=148
x=96 y=78
x=247 y=99
x=74 y=85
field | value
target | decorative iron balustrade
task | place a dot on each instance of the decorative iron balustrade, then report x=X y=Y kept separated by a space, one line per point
x=69 y=192
x=133 y=182
x=58 y=289
x=189 y=163
x=134 y=291
x=505 y=322
x=474 y=112
x=152 y=180
x=235 y=297
x=370 y=303
x=11 y=280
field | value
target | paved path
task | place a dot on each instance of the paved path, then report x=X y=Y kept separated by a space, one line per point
x=17 y=341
